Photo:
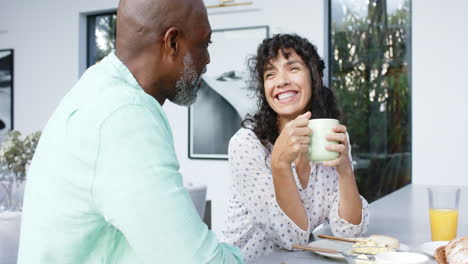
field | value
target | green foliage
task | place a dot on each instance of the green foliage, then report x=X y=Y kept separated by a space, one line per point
x=16 y=153
x=370 y=76
x=105 y=35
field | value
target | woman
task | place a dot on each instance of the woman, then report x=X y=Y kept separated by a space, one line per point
x=278 y=195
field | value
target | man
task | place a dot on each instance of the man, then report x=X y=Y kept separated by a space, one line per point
x=104 y=185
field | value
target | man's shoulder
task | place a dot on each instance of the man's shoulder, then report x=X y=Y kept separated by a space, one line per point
x=101 y=96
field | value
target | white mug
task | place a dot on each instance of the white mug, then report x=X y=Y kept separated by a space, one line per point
x=321 y=127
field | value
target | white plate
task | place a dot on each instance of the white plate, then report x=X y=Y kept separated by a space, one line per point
x=401 y=257
x=430 y=247
x=338 y=246
x=333 y=245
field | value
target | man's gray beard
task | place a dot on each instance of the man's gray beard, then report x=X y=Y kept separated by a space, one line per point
x=188 y=84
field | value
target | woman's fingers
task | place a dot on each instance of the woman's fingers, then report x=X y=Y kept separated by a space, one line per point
x=299 y=140
x=300 y=122
x=306 y=115
x=302 y=131
x=300 y=148
x=303 y=140
x=336 y=147
x=339 y=137
x=340 y=129
x=295 y=131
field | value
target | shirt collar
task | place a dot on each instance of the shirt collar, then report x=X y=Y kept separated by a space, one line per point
x=123 y=71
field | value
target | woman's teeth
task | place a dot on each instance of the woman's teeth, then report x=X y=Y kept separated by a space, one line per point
x=286 y=95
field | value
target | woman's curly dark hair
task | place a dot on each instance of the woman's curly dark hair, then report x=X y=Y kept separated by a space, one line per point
x=322 y=104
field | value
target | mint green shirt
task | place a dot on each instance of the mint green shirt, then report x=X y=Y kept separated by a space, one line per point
x=104 y=186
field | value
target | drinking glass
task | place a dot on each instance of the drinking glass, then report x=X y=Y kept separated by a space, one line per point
x=443 y=212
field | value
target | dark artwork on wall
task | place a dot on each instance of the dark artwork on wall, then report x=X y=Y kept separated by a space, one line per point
x=225 y=96
x=6 y=92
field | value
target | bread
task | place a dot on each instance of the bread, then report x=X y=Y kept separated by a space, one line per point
x=385 y=241
x=377 y=241
x=456 y=252
x=439 y=255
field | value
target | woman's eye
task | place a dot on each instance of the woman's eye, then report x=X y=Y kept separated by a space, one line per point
x=294 y=68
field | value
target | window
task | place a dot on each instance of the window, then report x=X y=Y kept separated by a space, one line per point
x=101 y=36
x=370 y=73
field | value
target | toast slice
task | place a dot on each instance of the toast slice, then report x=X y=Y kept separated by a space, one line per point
x=456 y=251
x=385 y=241
x=439 y=255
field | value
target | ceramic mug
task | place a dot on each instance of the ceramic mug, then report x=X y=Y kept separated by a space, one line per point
x=321 y=127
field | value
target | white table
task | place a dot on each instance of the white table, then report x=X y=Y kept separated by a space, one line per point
x=403 y=214
x=10 y=223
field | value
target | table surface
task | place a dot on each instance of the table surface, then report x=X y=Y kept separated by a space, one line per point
x=403 y=214
x=9 y=236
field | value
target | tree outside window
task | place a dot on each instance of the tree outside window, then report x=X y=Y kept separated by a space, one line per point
x=370 y=59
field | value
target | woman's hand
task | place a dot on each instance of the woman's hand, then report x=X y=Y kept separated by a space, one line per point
x=293 y=140
x=350 y=204
x=342 y=163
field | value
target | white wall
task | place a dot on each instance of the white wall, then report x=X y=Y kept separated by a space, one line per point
x=50 y=49
x=44 y=35
x=48 y=55
x=440 y=92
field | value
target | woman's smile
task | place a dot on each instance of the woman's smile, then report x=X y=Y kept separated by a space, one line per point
x=287 y=96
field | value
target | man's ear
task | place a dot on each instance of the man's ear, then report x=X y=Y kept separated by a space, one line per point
x=171 y=42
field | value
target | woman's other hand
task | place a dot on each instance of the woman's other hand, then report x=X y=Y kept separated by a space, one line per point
x=342 y=164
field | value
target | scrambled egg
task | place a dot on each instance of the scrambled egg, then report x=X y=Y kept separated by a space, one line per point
x=369 y=247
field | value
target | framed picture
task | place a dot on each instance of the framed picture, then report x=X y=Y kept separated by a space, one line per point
x=225 y=96
x=6 y=92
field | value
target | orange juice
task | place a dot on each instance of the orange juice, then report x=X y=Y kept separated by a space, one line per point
x=443 y=224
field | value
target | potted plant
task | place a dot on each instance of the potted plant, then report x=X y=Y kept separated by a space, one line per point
x=15 y=155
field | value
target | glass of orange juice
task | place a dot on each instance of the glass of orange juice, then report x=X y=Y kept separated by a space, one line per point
x=443 y=212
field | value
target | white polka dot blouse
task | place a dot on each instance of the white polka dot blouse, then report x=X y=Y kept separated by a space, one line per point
x=255 y=222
